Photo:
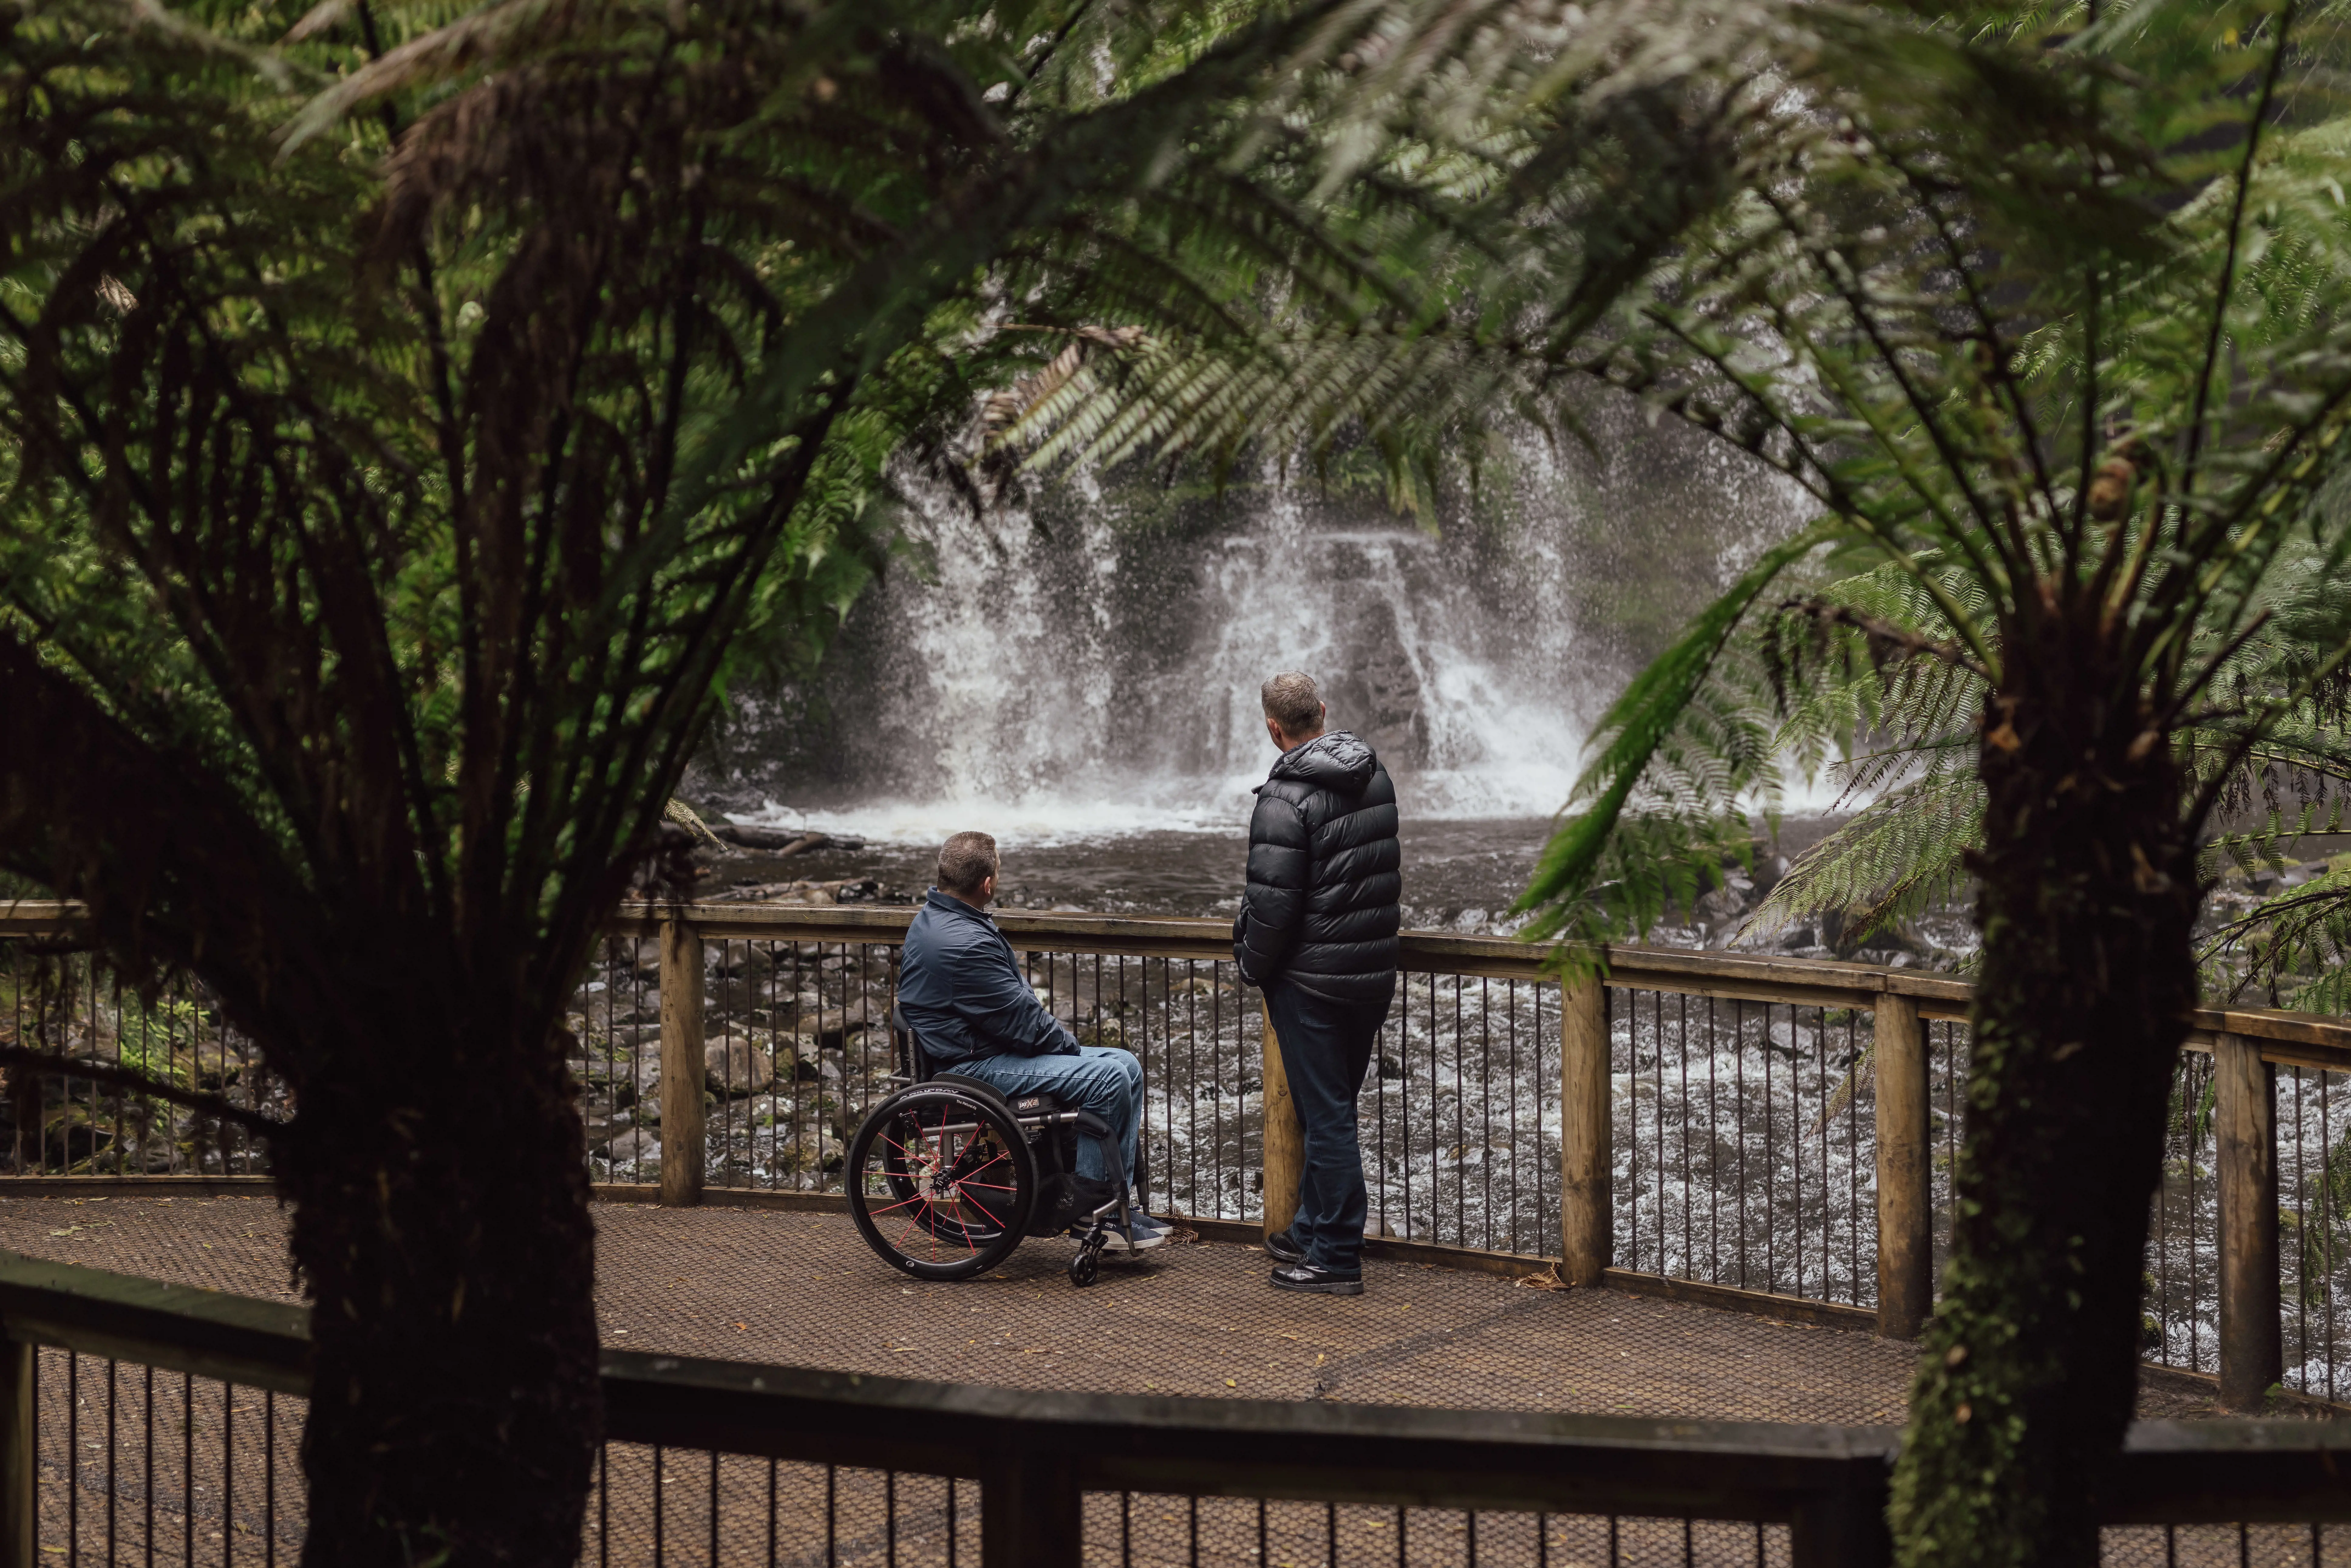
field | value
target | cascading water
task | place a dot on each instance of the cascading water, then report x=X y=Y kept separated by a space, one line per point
x=1090 y=668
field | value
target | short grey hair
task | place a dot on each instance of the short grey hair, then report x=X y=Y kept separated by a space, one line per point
x=965 y=860
x=1292 y=702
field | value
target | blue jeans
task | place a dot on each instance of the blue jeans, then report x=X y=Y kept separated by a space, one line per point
x=1326 y=1048
x=1100 y=1077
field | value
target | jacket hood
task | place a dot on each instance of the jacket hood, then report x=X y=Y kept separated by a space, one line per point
x=1340 y=761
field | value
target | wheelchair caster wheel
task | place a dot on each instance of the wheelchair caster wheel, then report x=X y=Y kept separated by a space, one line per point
x=1084 y=1266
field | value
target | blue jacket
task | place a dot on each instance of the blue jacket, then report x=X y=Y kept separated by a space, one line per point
x=963 y=993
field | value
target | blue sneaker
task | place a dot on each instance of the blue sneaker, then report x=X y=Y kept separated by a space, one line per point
x=1144 y=1233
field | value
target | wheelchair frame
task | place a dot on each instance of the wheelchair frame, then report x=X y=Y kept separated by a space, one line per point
x=914 y=1165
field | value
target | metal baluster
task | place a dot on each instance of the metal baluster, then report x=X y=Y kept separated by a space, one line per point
x=2326 y=1215
x=1486 y=1093
x=2195 y=1346
x=1690 y=1246
x=1771 y=1227
x=1633 y=1138
x=2302 y=1244
x=1657 y=1101
x=1821 y=1068
x=1192 y=1084
x=1217 y=1089
x=1713 y=1150
x=1739 y=1102
x=1511 y=1000
x=1435 y=1117
x=1460 y=1128
x=1405 y=1103
x=1380 y=1104
x=1853 y=1145
x=149 y=1423
x=73 y=1461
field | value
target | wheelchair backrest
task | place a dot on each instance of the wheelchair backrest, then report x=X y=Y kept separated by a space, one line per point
x=914 y=1061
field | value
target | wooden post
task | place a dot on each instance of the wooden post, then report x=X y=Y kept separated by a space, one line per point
x=1285 y=1142
x=2244 y=1117
x=1586 y=1222
x=683 y=1144
x=19 y=1458
x=1906 y=1242
x=1030 y=1513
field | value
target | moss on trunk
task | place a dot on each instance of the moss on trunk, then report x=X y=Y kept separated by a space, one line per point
x=2087 y=876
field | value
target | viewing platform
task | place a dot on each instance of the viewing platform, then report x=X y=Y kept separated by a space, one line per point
x=1197 y=1320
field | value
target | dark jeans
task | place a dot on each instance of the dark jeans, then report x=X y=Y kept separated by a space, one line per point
x=1326 y=1047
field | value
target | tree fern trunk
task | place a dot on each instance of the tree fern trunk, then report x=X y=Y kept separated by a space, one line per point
x=441 y=1223
x=2030 y=1371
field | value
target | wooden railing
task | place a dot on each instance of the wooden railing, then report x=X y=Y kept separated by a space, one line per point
x=2246 y=1047
x=1052 y=1476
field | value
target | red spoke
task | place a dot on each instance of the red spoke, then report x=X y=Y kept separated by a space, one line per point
x=900 y=1204
x=990 y=1186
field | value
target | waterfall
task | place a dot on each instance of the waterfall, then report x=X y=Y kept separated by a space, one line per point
x=1088 y=664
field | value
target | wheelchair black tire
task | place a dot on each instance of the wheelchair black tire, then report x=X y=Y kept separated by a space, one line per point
x=911 y=1143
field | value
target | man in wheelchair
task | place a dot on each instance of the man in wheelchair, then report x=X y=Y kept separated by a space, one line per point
x=964 y=997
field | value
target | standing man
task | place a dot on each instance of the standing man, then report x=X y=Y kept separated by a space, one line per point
x=1317 y=932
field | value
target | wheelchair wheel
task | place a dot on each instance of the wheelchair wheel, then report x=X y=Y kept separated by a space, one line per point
x=941 y=1181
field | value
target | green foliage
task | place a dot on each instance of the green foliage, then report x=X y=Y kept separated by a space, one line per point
x=419 y=415
x=1684 y=753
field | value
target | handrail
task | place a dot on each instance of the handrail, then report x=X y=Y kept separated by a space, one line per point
x=1811 y=982
x=1035 y=1454
x=1747 y=977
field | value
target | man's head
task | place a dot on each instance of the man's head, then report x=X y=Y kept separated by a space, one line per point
x=1293 y=709
x=967 y=867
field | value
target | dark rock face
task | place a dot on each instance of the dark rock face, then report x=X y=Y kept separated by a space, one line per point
x=1372 y=688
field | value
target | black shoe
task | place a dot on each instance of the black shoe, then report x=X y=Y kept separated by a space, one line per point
x=1283 y=1248
x=1317 y=1281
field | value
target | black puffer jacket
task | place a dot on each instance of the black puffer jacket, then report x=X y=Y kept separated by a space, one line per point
x=1324 y=879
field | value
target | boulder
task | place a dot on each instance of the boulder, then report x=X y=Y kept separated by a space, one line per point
x=832 y=1023
x=635 y=1146
x=737 y=1067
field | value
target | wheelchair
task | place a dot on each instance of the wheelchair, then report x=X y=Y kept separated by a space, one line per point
x=946 y=1176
